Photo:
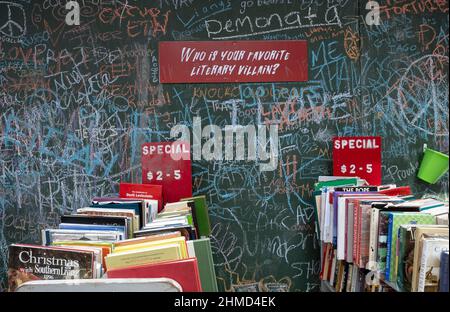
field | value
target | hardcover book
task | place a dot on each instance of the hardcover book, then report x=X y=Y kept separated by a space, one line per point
x=405 y=253
x=395 y=220
x=129 y=213
x=94 y=227
x=420 y=233
x=201 y=249
x=185 y=272
x=99 y=220
x=201 y=215
x=187 y=231
x=123 y=203
x=145 y=239
x=181 y=241
x=150 y=255
x=383 y=228
x=142 y=191
x=443 y=274
x=29 y=262
x=50 y=235
x=374 y=222
x=430 y=263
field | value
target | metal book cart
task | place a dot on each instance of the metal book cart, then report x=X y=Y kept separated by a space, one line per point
x=102 y=285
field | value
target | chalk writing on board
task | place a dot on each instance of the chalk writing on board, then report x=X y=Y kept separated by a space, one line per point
x=77 y=102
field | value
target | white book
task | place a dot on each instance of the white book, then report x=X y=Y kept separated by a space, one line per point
x=430 y=263
x=328 y=226
x=323 y=231
x=373 y=241
x=175 y=206
x=341 y=222
x=442 y=219
x=349 y=234
x=437 y=211
x=191 y=248
x=355 y=278
x=349 y=278
x=150 y=209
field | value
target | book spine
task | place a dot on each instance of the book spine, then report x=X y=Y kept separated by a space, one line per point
x=44 y=237
x=423 y=268
x=397 y=255
x=349 y=278
x=389 y=245
x=331 y=265
x=363 y=239
x=401 y=242
x=443 y=286
x=355 y=232
x=373 y=240
x=358 y=233
x=346 y=231
x=324 y=257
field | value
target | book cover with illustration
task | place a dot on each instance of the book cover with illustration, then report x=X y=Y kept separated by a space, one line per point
x=395 y=220
x=29 y=262
x=430 y=263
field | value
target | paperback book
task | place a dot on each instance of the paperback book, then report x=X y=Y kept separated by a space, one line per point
x=29 y=262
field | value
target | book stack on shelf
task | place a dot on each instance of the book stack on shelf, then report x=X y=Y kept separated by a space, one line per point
x=380 y=238
x=134 y=235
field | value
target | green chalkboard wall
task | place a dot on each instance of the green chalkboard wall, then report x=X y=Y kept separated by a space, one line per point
x=77 y=102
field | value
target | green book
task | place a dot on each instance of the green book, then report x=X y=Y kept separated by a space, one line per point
x=201 y=215
x=382 y=241
x=339 y=182
x=201 y=249
x=396 y=219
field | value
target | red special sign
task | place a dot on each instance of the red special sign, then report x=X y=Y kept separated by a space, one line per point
x=233 y=61
x=358 y=157
x=168 y=164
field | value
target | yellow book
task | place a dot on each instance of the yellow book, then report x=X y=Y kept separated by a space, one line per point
x=146 y=239
x=171 y=207
x=180 y=241
x=170 y=252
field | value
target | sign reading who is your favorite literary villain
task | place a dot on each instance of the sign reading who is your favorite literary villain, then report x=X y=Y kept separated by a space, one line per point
x=358 y=157
x=168 y=164
x=233 y=61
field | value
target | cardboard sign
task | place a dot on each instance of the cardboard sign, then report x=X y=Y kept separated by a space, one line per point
x=168 y=164
x=358 y=157
x=142 y=191
x=233 y=61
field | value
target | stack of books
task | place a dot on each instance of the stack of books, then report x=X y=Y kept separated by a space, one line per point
x=133 y=235
x=379 y=238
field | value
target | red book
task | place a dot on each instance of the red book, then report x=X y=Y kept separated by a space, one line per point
x=332 y=256
x=325 y=258
x=397 y=191
x=185 y=272
x=142 y=191
x=168 y=164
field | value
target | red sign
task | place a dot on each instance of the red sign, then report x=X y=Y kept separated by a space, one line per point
x=141 y=191
x=168 y=164
x=358 y=157
x=233 y=61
